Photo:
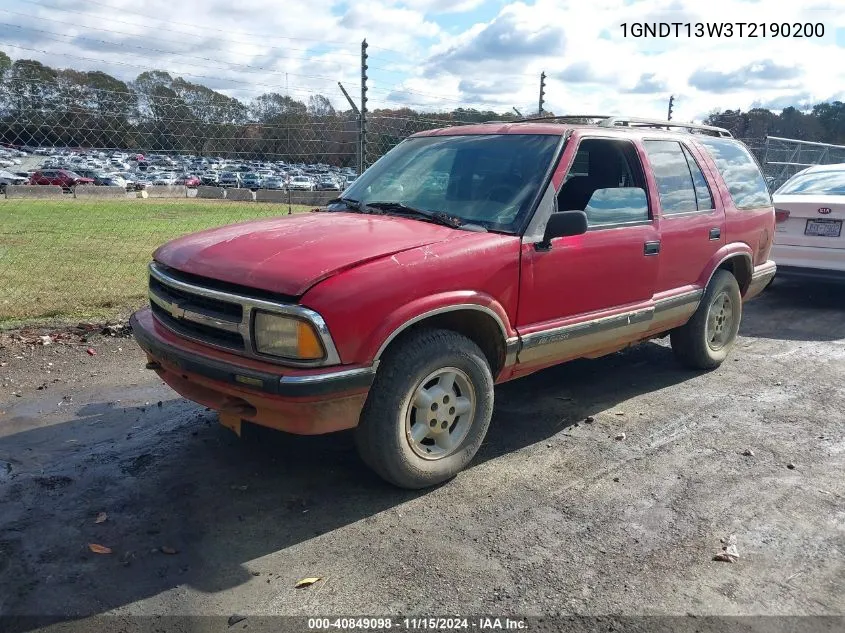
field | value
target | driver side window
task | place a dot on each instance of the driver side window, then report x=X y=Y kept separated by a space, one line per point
x=607 y=182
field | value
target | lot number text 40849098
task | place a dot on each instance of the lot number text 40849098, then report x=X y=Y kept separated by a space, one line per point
x=481 y=624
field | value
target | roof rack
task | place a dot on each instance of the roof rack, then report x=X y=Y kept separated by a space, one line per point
x=604 y=120
x=638 y=122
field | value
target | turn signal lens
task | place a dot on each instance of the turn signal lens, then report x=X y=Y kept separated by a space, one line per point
x=308 y=345
x=781 y=215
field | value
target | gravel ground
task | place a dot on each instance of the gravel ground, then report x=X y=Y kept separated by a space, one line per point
x=559 y=514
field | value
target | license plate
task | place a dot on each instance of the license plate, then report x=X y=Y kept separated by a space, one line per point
x=823 y=228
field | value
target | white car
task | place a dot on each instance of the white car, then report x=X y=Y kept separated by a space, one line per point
x=809 y=210
x=301 y=183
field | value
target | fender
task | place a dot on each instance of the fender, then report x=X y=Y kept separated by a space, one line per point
x=723 y=254
x=414 y=312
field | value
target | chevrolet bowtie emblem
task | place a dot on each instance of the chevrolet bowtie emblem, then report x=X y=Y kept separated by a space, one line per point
x=176 y=312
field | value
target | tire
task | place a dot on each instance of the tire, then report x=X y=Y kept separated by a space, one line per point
x=383 y=437
x=705 y=341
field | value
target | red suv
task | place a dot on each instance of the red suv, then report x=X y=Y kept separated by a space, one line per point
x=464 y=258
x=61 y=177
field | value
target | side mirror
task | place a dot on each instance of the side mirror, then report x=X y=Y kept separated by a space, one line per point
x=563 y=224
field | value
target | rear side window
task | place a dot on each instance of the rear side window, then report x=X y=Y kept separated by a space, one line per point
x=740 y=172
x=702 y=191
x=672 y=173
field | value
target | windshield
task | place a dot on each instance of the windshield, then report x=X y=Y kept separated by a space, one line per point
x=816 y=182
x=489 y=180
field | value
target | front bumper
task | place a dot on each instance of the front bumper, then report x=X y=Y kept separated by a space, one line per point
x=296 y=401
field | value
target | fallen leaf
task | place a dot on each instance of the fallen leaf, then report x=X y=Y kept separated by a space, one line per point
x=306 y=582
x=91 y=351
x=620 y=437
x=99 y=549
x=168 y=550
x=724 y=557
x=790 y=466
x=748 y=453
x=101 y=518
x=234 y=619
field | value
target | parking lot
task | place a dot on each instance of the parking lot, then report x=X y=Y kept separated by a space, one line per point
x=555 y=516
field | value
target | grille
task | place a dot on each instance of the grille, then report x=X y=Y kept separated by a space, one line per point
x=197 y=316
x=220 y=315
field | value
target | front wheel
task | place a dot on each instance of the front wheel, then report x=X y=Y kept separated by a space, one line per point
x=706 y=339
x=428 y=409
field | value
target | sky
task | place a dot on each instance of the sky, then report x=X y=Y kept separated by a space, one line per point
x=444 y=54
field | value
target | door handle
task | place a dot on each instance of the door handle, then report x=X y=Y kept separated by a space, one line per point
x=715 y=233
x=651 y=248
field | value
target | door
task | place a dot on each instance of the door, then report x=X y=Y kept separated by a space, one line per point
x=588 y=292
x=692 y=220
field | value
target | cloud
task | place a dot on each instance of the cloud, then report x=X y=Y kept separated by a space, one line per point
x=799 y=101
x=443 y=54
x=443 y=6
x=764 y=72
x=506 y=38
x=584 y=73
x=647 y=84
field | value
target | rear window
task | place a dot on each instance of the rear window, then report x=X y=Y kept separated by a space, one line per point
x=815 y=182
x=740 y=172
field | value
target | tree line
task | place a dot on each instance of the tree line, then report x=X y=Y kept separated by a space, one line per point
x=62 y=107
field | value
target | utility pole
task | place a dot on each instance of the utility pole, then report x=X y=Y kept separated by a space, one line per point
x=358 y=114
x=362 y=117
x=542 y=93
x=518 y=112
x=671 y=103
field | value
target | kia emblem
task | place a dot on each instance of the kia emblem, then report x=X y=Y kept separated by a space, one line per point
x=824 y=210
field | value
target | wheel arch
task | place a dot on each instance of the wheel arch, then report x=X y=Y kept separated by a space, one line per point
x=479 y=323
x=736 y=260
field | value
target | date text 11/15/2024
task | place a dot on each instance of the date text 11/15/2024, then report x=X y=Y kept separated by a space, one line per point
x=480 y=624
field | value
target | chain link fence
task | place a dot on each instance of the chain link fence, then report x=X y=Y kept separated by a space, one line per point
x=116 y=173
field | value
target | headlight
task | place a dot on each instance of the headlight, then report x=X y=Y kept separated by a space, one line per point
x=286 y=337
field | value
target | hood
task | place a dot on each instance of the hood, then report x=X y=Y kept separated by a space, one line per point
x=288 y=255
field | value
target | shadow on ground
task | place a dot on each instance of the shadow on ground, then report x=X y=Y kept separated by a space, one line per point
x=170 y=477
x=797 y=311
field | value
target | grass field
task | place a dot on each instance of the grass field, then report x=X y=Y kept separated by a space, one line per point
x=80 y=259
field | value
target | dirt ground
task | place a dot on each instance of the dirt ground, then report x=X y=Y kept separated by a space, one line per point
x=555 y=515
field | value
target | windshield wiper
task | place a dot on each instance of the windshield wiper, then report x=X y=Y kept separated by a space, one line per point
x=350 y=203
x=433 y=216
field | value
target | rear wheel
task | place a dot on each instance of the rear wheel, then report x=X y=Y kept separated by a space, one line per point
x=708 y=337
x=428 y=410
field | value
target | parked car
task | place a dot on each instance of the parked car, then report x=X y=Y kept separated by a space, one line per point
x=229 y=179
x=397 y=309
x=61 y=177
x=251 y=180
x=809 y=209
x=301 y=183
x=8 y=178
x=210 y=178
x=163 y=178
x=190 y=181
x=326 y=184
x=273 y=182
x=110 y=181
